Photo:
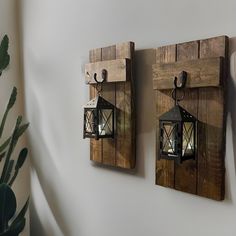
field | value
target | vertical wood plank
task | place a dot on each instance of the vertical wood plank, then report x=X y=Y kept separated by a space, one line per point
x=95 y=145
x=125 y=140
x=212 y=115
x=109 y=93
x=164 y=168
x=186 y=172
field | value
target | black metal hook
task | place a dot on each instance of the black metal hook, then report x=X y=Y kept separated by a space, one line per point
x=182 y=78
x=103 y=75
x=99 y=83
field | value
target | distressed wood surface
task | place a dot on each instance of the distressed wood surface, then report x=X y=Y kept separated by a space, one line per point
x=204 y=72
x=117 y=70
x=109 y=93
x=125 y=141
x=212 y=115
x=164 y=102
x=186 y=173
x=120 y=151
x=203 y=176
x=95 y=145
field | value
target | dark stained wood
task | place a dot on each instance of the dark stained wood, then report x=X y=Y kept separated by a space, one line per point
x=125 y=156
x=186 y=173
x=205 y=175
x=212 y=115
x=120 y=151
x=117 y=70
x=164 y=102
x=109 y=93
x=204 y=72
x=95 y=145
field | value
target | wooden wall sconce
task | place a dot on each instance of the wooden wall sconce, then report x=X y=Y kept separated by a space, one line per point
x=206 y=64
x=109 y=118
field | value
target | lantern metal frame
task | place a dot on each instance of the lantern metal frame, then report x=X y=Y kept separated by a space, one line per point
x=96 y=121
x=174 y=132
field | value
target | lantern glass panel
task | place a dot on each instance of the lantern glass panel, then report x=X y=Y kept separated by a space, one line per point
x=169 y=143
x=89 y=121
x=105 y=126
x=188 y=139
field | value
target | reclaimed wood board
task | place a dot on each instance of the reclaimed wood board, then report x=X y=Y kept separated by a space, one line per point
x=117 y=70
x=164 y=168
x=203 y=176
x=205 y=72
x=120 y=151
x=95 y=145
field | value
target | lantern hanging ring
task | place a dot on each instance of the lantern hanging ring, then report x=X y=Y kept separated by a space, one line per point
x=99 y=83
x=179 y=87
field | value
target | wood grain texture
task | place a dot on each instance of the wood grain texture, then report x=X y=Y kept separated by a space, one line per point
x=204 y=72
x=125 y=156
x=212 y=115
x=117 y=70
x=95 y=145
x=205 y=175
x=120 y=151
x=164 y=102
x=186 y=173
x=109 y=93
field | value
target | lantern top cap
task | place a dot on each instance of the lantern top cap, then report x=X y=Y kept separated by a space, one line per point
x=98 y=101
x=177 y=113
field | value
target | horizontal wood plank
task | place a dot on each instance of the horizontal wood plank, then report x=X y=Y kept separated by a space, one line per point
x=117 y=70
x=204 y=72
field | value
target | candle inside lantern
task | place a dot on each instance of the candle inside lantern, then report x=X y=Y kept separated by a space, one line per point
x=101 y=129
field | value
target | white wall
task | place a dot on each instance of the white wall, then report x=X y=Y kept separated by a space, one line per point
x=13 y=77
x=70 y=195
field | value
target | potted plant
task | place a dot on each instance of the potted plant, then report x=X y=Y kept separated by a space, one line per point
x=11 y=224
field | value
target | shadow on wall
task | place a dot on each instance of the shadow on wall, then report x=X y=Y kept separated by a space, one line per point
x=232 y=93
x=44 y=179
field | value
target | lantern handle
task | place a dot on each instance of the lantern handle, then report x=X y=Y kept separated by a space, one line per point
x=174 y=95
x=99 y=83
x=178 y=87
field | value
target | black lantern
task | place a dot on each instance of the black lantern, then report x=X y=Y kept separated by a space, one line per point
x=99 y=114
x=98 y=119
x=177 y=132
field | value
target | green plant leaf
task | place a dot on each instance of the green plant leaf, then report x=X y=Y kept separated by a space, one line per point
x=14 y=139
x=4 y=56
x=20 y=162
x=10 y=104
x=9 y=170
x=5 y=62
x=21 y=158
x=12 y=99
x=22 y=129
x=7 y=205
x=5 y=144
x=14 y=230
x=2 y=155
x=21 y=213
x=15 y=136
